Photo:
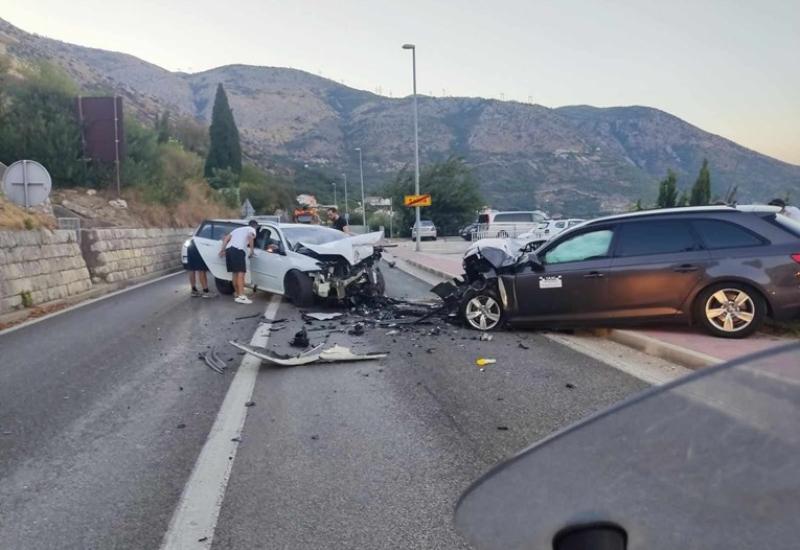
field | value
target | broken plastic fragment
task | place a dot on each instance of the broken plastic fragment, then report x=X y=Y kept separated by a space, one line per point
x=486 y=337
x=300 y=339
x=320 y=316
x=332 y=355
x=482 y=361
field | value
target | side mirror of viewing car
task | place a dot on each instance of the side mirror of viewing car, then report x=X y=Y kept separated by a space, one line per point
x=535 y=263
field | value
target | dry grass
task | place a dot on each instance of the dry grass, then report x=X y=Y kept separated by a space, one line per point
x=198 y=205
x=14 y=217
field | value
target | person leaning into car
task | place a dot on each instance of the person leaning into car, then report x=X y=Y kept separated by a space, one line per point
x=234 y=249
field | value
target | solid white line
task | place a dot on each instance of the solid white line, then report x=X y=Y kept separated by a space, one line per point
x=86 y=303
x=647 y=368
x=195 y=518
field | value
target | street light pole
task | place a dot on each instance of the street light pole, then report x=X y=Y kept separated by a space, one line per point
x=335 y=197
x=363 y=202
x=413 y=49
x=346 y=208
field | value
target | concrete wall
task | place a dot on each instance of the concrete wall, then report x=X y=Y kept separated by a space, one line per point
x=114 y=255
x=40 y=265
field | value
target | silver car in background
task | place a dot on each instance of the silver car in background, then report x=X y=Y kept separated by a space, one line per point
x=426 y=231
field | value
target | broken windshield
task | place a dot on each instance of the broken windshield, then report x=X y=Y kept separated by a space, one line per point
x=312 y=235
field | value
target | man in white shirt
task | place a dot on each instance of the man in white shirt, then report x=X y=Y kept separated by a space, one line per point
x=789 y=211
x=234 y=249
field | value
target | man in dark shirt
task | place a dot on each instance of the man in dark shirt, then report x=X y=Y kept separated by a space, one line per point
x=338 y=222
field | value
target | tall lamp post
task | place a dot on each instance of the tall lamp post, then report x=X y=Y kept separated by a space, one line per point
x=363 y=202
x=346 y=208
x=413 y=49
x=335 y=197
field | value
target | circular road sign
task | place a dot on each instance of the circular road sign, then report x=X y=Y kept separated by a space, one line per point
x=27 y=183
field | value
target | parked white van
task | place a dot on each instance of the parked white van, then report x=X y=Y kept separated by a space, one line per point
x=507 y=224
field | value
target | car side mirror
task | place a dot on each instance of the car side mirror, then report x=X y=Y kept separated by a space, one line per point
x=535 y=263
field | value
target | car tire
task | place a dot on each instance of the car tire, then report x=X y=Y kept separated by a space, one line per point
x=223 y=286
x=730 y=310
x=299 y=288
x=482 y=310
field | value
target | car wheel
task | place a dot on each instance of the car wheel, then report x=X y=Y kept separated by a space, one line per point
x=481 y=309
x=223 y=286
x=730 y=310
x=299 y=289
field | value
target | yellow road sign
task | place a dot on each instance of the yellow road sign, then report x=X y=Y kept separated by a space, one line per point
x=417 y=200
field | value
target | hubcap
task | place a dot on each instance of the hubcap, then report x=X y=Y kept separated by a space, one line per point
x=730 y=310
x=483 y=312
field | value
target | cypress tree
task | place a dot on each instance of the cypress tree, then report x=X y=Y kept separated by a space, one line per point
x=224 y=151
x=701 y=190
x=668 y=191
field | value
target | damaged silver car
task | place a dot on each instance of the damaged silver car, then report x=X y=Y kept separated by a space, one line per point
x=297 y=260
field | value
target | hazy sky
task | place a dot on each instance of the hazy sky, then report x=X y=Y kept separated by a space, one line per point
x=731 y=67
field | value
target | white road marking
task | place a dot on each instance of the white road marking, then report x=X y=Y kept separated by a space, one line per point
x=87 y=302
x=195 y=518
x=635 y=363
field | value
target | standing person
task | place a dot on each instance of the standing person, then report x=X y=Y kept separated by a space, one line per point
x=789 y=211
x=338 y=222
x=234 y=249
x=197 y=269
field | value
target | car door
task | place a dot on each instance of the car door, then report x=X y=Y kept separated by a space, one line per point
x=572 y=282
x=656 y=265
x=270 y=261
x=208 y=242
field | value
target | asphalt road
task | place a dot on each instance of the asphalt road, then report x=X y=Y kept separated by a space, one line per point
x=351 y=455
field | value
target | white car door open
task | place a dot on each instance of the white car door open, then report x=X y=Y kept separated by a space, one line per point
x=268 y=265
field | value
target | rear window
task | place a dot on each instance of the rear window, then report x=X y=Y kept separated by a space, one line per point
x=717 y=234
x=216 y=230
x=483 y=218
x=661 y=237
x=518 y=217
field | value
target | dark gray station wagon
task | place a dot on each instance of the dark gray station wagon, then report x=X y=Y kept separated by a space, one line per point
x=724 y=268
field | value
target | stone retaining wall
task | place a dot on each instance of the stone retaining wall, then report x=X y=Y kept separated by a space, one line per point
x=114 y=255
x=40 y=266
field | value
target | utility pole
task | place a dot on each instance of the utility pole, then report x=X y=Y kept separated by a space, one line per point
x=413 y=49
x=363 y=201
x=346 y=208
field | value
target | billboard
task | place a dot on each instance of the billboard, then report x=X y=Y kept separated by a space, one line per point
x=100 y=119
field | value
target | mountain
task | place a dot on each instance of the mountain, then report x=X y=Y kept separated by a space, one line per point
x=577 y=160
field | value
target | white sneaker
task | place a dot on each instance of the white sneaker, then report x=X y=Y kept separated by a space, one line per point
x=243 y=300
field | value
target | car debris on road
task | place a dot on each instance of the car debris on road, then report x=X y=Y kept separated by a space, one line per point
x=334 y=354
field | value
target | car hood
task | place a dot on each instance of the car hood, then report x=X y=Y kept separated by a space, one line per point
x=498 y=252
x=353 y=249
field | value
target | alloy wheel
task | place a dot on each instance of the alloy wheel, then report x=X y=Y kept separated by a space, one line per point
x=730 y=309
x=483 y=312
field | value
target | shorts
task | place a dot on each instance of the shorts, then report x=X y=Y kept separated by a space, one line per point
x=235 y=260
x=194 y=261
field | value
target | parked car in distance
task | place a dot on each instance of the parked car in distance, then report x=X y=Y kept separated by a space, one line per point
x=427 y=230
x=508 y=224
x=723 y=268
x=467 y=231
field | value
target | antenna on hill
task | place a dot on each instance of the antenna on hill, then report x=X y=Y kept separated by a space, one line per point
x=502 y=96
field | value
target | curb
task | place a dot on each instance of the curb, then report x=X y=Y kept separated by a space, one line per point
x=669 y=352
x=663 y=350
x=431 y=270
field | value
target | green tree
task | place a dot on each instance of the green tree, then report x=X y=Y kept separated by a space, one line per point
x=683 y=200
x=37 y=121
x=141 y=164
x=266 y=192
x=454 y=194
x=163 y=127
x=701 y=190
x=192 y=135
x=224 y=152
x=668 y=191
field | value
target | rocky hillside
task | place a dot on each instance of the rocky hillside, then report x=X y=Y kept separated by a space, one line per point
x=575 y=160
